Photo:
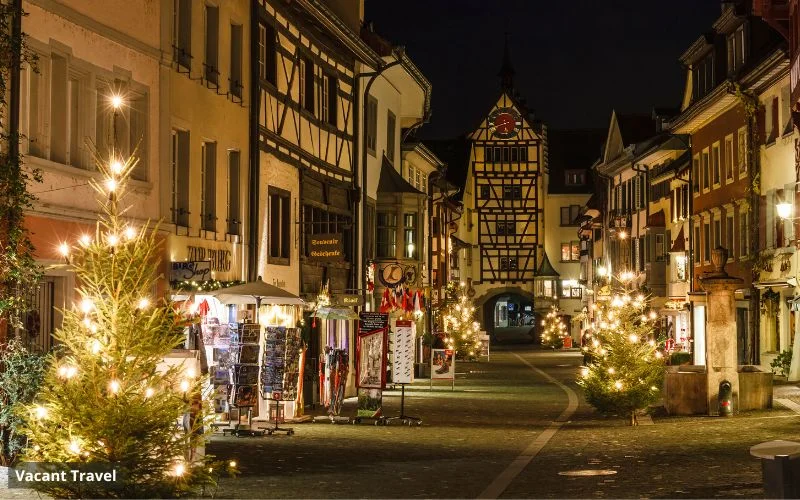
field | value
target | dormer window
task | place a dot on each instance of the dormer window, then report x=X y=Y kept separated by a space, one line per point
x=737 y=49
x=703 y=76
x=575 y=178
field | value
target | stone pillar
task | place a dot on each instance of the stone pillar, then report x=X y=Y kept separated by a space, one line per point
x=721 y=356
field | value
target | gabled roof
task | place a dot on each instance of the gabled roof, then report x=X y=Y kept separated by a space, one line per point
x=546 y=269
x=635 y=127
x=392 y=182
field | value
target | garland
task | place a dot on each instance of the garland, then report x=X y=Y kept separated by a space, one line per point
x=203 y=286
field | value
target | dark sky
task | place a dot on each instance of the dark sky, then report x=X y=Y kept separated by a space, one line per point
x=575 y=60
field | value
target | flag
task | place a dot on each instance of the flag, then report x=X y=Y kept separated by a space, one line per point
x=417 y=302
x=408 y=298
x=385 y=305
x=397 y=299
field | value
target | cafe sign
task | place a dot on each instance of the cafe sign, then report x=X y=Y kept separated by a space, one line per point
x=348 y=300
x=325 y=247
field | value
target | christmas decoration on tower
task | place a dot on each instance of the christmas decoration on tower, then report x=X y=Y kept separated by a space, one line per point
x=461 y=330
x=107 y=397
x=553 y=329
x=626 y=368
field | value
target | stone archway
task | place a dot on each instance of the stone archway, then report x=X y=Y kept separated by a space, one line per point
x=487 y=302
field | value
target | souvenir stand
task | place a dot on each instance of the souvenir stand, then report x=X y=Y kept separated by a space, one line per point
x=334 y=364
x=253 y=362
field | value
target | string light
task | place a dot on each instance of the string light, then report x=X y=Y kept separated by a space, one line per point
x=85 y=240
x=86 y=306
x=111 y=185
x=41 y=412
x=148 y=393
x=232 y=463
x=74 y=447
x=130 y=233
x=67 y=371
x=116 y=167
x=144 y=303
x=179 y=470
x=96 y=346
x=114 y=386
x=185 y=385
x=63 y=249
x=113 y=239
x=116 y=101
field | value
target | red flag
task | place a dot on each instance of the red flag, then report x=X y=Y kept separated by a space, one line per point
x=385 y=306
x=417 y=302
x=409 y=300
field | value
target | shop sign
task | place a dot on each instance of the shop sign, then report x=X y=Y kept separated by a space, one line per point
x=675 y=305
x=191 y=270
x=348 y=300
x=326 y=247
x=220 y=259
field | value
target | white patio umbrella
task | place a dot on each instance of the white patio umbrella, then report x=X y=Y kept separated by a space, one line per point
x=258 y=293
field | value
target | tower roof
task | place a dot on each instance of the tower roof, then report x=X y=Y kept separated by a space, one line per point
x=546 y=269
x=507 y=72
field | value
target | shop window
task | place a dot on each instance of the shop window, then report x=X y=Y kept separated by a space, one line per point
x=180 y=178
x=236 y=84
x=208 y=194
x=211 y=64
x=279 y=222
x=570 y=289
x=387 y=235
x=372 y=124
x=390 y=137
x=234 y=181
x=410 y=235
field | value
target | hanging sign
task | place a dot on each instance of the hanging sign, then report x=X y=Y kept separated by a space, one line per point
x=190 y=270
x=325 y=247
x=403 y=353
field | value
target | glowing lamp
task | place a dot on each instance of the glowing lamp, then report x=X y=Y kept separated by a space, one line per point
x=86 y=240
x=116 y=101
x=63 y=249
x=111 y=185
x=784 y=210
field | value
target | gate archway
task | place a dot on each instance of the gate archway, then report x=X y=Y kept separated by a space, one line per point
x=507 y=314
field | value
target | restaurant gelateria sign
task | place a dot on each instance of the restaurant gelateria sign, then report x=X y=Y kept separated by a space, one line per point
x=325 y=247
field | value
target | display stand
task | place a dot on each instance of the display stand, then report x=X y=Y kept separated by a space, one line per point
x=278 y=419
x=403 y=418
x=244 y=377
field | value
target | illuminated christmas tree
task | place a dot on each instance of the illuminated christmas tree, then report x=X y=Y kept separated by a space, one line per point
x=105 y=400
x=553 y=329
x=461 y=330
x=626 y=369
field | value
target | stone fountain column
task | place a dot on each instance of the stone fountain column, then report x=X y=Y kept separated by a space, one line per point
x=721 y=357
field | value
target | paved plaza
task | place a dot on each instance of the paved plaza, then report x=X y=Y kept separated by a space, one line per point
x=480 y=440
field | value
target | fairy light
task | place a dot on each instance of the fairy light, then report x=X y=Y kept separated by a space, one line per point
x=111 y=185
x=618 y=385
x=67 y=371
x=130 y=233
x=116 y=167
x=633 y=338
x=116 y=101
x=87 y=305
x=41 y=412
x=113 y=239
x=74 y=447
x=232 y=463
x=85 y=240
x=114 y=386
x=185 y=385
x=179 y=470
x=63 y=249
x=611 y=371
x=144 y=303
x=148 y=393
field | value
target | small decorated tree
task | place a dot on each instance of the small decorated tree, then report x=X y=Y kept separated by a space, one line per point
x=553 y=329
x=626 y=368
x=107 y=398
x=461 y=330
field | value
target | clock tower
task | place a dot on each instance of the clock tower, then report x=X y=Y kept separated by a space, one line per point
x=504 y=194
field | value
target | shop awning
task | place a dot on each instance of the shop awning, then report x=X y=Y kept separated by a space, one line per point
x=777 y=283
x=680 y=242
x=256 y=292
x=335 y=313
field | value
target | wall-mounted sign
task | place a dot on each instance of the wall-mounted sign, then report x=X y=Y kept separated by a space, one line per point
x=190 y=271
x=220 y=259
x=325 y=248
x=348 y=300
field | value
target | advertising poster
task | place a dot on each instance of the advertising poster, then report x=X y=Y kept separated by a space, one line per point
x=443 y=364
x=371 y=350
x=403 y=352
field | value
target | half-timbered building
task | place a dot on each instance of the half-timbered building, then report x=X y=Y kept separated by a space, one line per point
x=503 y=199
x=303 y=114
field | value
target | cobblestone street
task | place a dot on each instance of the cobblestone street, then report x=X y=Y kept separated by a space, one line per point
x=471 y=435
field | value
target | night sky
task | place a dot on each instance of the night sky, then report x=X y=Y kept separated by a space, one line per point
x=575 y=60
